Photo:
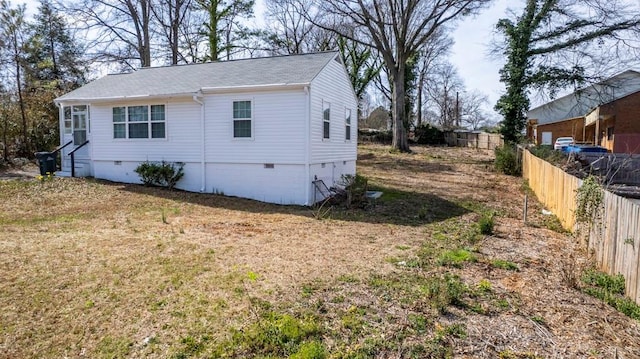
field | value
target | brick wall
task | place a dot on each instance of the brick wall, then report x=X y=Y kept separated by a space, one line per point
x=572 y=127
x=625 y=124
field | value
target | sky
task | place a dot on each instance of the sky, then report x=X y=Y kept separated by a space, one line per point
x=470 y=53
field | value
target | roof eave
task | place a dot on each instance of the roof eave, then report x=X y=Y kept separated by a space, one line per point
x=63 y=100
x=247 y=88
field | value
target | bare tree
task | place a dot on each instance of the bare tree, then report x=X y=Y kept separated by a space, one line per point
x=291 y=31
x=471 y=106
x=170 y=16
x=444 y=84
x=120 y=29
x=434 y=49
x=398 y=29
x=13 y=33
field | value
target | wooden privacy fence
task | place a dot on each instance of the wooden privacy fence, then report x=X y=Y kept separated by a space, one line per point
x=554 y=188
x=480 y=140
x=614 y=238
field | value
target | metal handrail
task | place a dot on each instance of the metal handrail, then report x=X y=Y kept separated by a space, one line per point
x=61 y=147
x=73 y=158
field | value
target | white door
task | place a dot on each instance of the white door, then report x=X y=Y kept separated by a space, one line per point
x=79 y=117
x=546 y=138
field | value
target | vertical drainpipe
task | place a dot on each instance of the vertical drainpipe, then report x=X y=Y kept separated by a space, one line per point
x=202 y=139
x=307 y=152
x=61 y=129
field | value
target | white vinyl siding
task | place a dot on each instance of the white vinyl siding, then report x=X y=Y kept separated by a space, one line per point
x=181 y=142
x=277 y=128
x=332 y=86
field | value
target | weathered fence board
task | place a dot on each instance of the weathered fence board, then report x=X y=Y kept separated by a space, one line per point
x=479 y=140
x=614 y=238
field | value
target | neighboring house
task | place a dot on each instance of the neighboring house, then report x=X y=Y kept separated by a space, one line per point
x=616 y=125
x=548 y=133
x=580 y=102
x=261 y=128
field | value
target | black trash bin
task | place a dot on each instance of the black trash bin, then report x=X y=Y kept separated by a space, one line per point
x=47 y=162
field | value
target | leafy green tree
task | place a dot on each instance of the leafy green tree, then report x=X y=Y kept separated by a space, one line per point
x=361 y=62
x=53 y=58
x=537 y=44
x=53 y=65
x=222 y=21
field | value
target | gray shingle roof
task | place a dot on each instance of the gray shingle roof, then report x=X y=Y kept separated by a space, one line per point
x=185 y=79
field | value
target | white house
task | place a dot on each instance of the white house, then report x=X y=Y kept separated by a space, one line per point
x=261 y=128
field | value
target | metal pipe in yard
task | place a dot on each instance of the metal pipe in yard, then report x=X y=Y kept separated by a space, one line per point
x=524 y=210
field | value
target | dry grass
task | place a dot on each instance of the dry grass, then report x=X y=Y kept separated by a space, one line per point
x=95 y=269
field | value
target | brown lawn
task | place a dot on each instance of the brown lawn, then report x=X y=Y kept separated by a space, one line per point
x=95 y=269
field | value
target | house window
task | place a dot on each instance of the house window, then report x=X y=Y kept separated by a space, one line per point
x=157 y=121
x=67 y=120
x=610 y=133
x=139 y=121
x=326 y=119
x=347 y=124
x=119 y=125
x=242 y=119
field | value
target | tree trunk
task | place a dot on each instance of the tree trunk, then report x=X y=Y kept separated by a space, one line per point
x=213 y=30
x=419 y=99
x=146 y=20
x=175 y=32
x=25 y=137
x=399 y=132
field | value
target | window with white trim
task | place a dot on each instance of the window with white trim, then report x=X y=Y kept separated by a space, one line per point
x=347 y=124
x=147 y=121
x=326 y=120
x=242 y=126
x=67 y=120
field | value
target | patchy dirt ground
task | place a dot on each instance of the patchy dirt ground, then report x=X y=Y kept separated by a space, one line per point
x=27 y=172
x=96 y=269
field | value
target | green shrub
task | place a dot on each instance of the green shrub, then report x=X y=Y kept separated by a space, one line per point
x=445 y=291
x=507 y=160
x=278 y=335
x=486 y=224
x=162 y=174
x=455 y=258
x=546 y=152
x=426 y=134
x=610 y=289
x=355 y=189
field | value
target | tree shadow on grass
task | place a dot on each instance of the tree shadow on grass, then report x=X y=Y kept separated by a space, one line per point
x=394 y=207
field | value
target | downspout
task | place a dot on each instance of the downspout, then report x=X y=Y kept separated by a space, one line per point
x=202 y=140
x=61 y=131
x=307 y=152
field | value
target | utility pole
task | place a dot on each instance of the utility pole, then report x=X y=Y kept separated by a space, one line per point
x=457 y=110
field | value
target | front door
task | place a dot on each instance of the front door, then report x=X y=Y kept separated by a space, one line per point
x=546 y=138
x=79 y=115
x=75 y=126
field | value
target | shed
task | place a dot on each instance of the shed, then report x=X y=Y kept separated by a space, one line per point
x=261 y=128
